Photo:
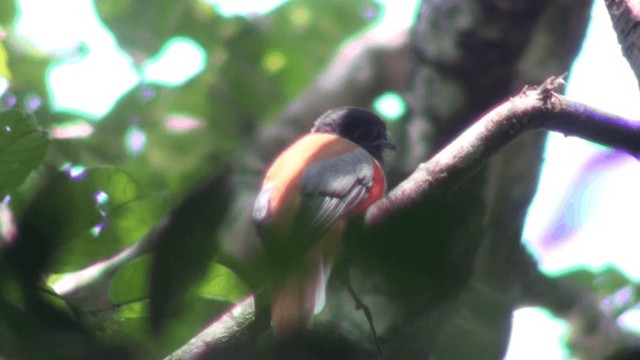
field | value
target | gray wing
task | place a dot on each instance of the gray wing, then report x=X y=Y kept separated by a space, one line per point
x=333 y=187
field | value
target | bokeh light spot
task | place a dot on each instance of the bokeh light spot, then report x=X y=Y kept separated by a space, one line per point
x=179 y=60
x=390 y=105
x=181 y=124
x=93 y=72
x=32 y=102
x=10 y=101
x=101 y=197
x=44 y=25
x=228 y=8
x=4 y=85
x=135 y=140
x=147 y=93
x=102 y=202
x=300 y=17
x=88 y=86
x=273 y=61
x=619 y=300
x=71 y=130
x=548 y=330
x=76 y=172
x=96 y=230
x=630 y=320
x=370 y=13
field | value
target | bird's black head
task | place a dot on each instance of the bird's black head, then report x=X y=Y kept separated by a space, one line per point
x=360 y=126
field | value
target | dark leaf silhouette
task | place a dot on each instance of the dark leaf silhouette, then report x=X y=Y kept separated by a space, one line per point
x=185 y=246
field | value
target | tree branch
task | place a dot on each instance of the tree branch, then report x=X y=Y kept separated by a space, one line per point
x=226 y=328
x=533 y=109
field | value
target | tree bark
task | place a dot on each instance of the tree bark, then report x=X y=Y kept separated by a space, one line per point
x=625 y=17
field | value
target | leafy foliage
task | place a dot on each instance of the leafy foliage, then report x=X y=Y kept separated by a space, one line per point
x=22 y=148
x=121 y=234
x=7 y=12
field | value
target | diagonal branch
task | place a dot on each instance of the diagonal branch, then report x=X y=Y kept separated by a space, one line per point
x=223 y=330
x=532 y=109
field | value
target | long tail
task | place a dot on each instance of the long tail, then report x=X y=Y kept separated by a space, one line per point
x=301 y=293
x=299 y=296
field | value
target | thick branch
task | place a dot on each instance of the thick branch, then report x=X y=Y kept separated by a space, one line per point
x=228 y=327
x=532 y=109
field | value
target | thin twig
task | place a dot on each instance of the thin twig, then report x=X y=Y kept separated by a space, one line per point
x=360 y=305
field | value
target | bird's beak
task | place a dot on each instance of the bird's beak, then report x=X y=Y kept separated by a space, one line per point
x=388 y=143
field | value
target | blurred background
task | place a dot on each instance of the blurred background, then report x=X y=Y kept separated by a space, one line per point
x=167 y=92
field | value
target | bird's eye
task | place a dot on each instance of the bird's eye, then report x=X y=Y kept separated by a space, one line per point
x=366 y=133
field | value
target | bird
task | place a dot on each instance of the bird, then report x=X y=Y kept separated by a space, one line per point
x=307 y=196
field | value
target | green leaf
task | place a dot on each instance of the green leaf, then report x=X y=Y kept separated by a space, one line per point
x=118 y=184
x=124 y=219
x=65 y=208
x=163 y=19
x=603 y=282
x=47 y=332
x=131 y=283
x=61 y=210
x=582 y=277
x=22 y=148
x=132 y=326
x=128 y=223
x=185 y=246
x=28 y=68
x=222 y=284
x=610 y=280
x=134 y=310
x=7 y=12
x=307 y=34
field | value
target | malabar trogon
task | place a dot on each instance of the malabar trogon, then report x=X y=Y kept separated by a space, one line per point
x=307 y=196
